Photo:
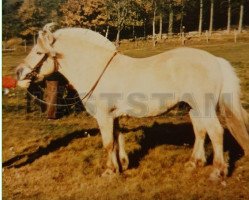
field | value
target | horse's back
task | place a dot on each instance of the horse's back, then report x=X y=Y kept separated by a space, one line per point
x=181 y=69
x=176 y=73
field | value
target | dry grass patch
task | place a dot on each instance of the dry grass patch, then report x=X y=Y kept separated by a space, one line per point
x=63 y=159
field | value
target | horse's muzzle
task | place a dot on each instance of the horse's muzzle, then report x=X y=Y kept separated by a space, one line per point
x=22 y=71
x=19 y=71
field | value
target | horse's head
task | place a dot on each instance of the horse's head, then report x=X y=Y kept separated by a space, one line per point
x=40 y=62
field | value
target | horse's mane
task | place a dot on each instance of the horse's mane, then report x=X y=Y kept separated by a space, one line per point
x=87 y=35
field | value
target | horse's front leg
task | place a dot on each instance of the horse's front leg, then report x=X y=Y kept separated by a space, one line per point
x=110 y=143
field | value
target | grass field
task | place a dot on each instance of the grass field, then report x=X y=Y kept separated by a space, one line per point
x=63 y=159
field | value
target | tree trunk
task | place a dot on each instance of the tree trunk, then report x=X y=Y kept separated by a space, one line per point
x=211 y=17
x=133 y=31
x=241 y=14
x=160 y=26
x=171 y=20
x=34 y=40
x=201 y=17
x=154 y=27
x=181 y=20
x=229 y=16
x=144 y=28
x=107 y=32
x=118 y=38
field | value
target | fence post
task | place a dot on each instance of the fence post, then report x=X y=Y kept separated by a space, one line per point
x=235 y=35
x=136 y=42
x=183 y=37
x=25 y=46
x=207 y=36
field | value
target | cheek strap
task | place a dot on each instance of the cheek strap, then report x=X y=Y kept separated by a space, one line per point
x=33 y=75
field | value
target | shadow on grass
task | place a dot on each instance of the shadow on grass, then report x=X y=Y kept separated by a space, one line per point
x=179 y=135
x=13 y=108
x=51 y=147
x=158 y=134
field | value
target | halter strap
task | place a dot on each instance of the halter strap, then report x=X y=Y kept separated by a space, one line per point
x=34 y=71
x=87 y=96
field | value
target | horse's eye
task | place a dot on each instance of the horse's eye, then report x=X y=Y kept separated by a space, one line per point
x=39 y=53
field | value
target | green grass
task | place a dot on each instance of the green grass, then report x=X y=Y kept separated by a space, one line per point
x=58 y=161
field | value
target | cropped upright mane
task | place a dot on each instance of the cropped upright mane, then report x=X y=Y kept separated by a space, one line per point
x=88 y=35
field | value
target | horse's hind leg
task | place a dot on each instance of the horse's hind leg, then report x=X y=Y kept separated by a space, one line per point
x=110 y=143
x=124 y=160
x=198 y=156
x=215 y=132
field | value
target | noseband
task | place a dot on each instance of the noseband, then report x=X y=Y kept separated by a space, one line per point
x=33 y=75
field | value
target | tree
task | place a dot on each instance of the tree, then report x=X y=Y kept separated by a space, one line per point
x=121 y=13
x=171 y=18
x=162 y=8
x=160 y=25
x=211 y=17
x=241 y=14
x=146 y=12
x=26 y=17
x=52 y=9
x=32 y=16
x=10 y=22
x=137 y=16
x=154 y=23
x=81 y=13
x=182 y=3
x=200 y=17
x=228 y=16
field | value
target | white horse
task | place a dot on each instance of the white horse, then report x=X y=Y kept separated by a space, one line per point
x=141 y=87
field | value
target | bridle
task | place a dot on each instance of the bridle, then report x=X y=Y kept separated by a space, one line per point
x=33 y=75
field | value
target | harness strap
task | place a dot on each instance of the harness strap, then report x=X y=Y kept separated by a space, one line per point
x=88 y=95
x=52 y=104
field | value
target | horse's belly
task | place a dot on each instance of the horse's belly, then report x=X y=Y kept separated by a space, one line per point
x=145 y=107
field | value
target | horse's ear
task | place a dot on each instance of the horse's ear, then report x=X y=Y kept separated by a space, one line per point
x=47 y=31
x=45 y=40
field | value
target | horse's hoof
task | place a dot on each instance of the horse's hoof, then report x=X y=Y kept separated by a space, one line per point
x=200 y=163
x=108 y=173
x=194 y=163
x=190 y=166
x=218 y=175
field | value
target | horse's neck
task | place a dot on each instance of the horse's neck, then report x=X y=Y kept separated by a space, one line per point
x=83 y=68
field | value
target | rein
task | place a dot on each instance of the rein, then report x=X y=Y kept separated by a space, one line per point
x=34 y=73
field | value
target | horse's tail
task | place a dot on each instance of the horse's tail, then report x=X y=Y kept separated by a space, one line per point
x=230 y=105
